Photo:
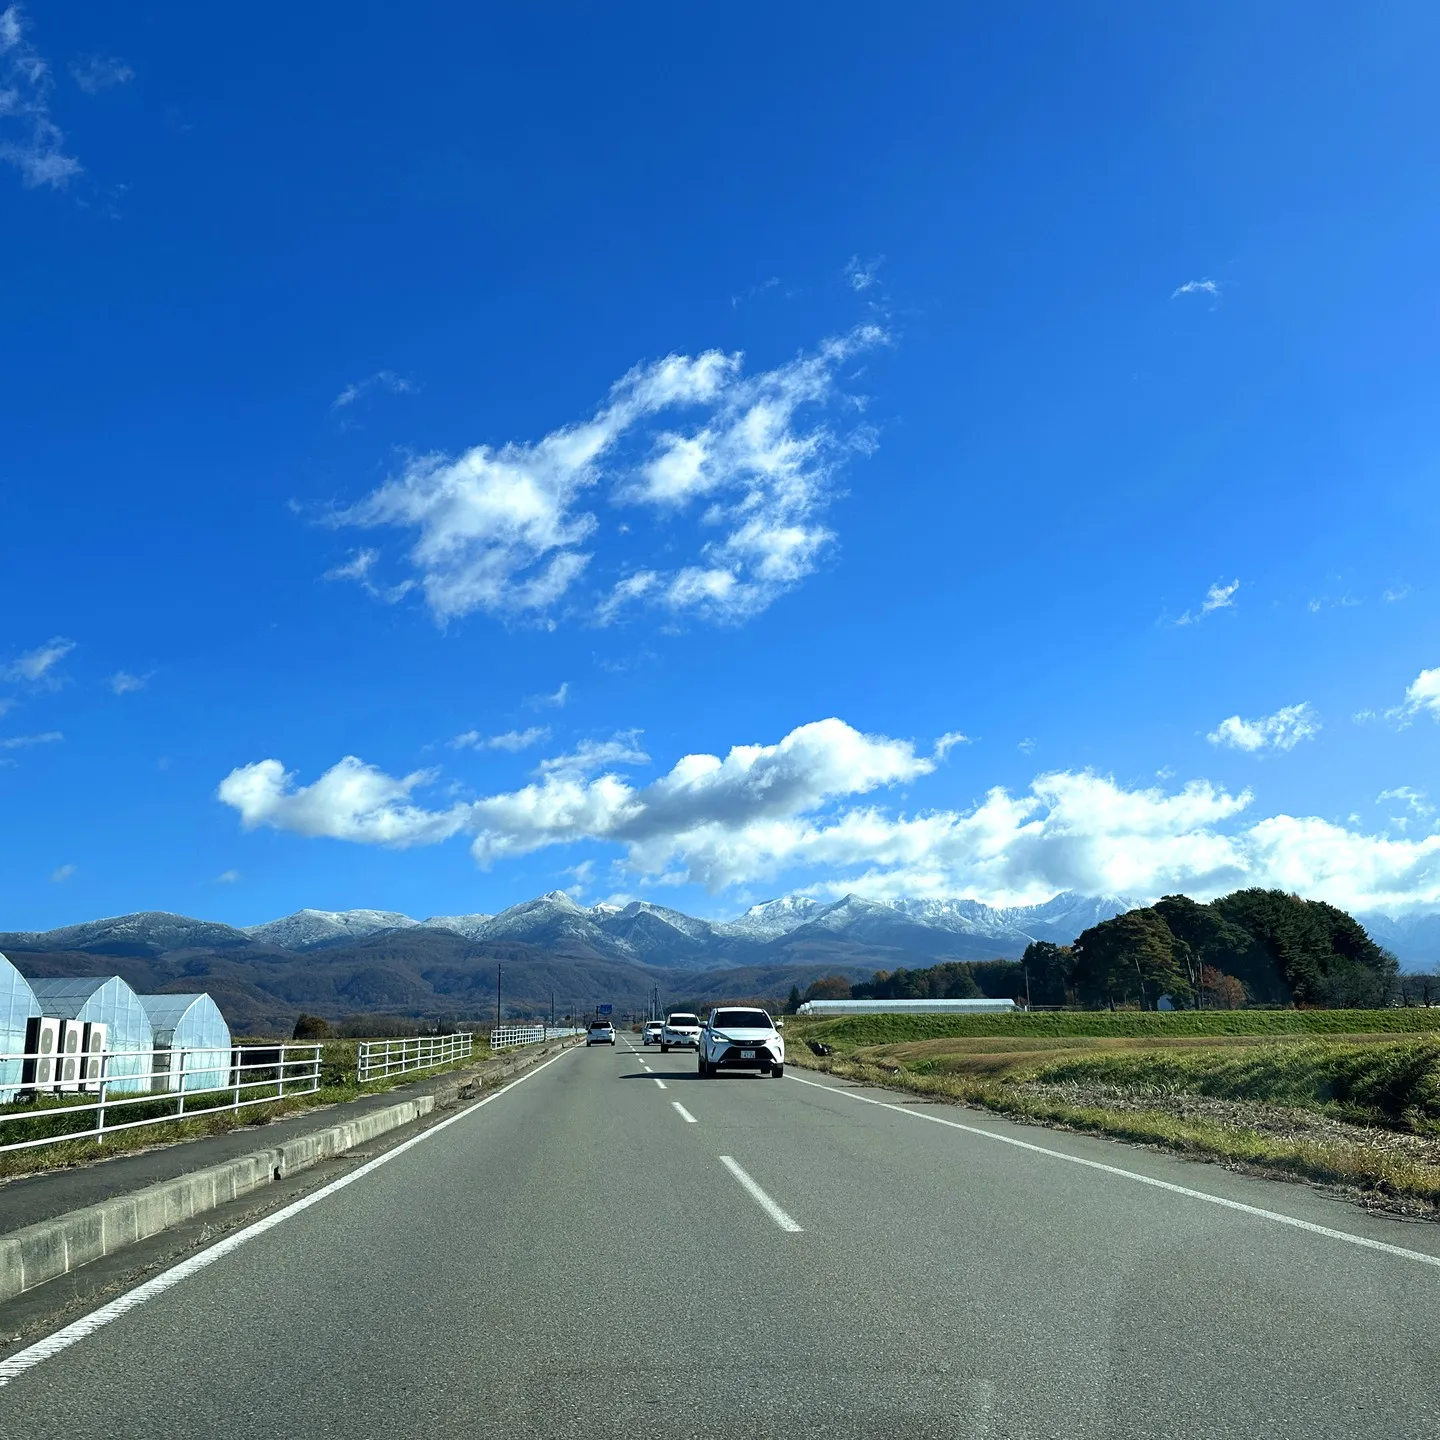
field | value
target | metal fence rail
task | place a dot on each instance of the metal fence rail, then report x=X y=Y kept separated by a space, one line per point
x=503 y=1035
x=121 y=1080
x=379 y=1058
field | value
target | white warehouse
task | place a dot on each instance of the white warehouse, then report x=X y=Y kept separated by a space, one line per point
x=907 y=1007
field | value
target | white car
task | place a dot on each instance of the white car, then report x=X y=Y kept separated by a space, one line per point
x=681 y=1032
x=740 y=1038
x=601 y=1032
x=651 y=1034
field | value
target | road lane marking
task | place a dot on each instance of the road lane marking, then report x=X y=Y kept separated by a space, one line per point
x=761 y=1198
x=1239 y=1205
x=659 y=1082
x=684 y=1113
x=73 y=1333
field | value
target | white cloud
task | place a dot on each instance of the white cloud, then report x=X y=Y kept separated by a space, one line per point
x=861 y=273
x=766 y=810
x=34 y=666
x=23 y=742
x=61 y=874
x=1025 y=746
x=1423 y=694
x=386 y=380
x=1283 y=730
x=591 y=755
x=29 y=139
x=504 y=530
x=1407 y=795
x=1217 y=597
x=556 y=701
x=1197 y=287
x=511 y=740
x=350 y=801
x=229 y=877
x=1397 y=593
x=122 y=682
x=94 y=73
x=948 y=741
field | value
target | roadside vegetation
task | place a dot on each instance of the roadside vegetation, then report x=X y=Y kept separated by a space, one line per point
x=1346 y=1098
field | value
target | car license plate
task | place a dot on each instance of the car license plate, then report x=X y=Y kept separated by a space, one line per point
x=747 y=1054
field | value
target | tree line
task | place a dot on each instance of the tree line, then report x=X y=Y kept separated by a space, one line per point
x=1256 y=946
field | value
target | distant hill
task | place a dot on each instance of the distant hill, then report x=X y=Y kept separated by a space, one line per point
x=335 y=963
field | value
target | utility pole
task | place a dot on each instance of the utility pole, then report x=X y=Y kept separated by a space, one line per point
x=499 y=970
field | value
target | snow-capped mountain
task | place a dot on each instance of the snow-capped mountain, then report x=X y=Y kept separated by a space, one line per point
x=850 y=930
x=147 y=932
x=772 y=918
x=1414 y=938
x=309 y=929
x=906 y=931
x=472 y=927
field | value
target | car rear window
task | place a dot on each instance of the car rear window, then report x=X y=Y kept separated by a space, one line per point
x=740 y=1020
x=683 y=1020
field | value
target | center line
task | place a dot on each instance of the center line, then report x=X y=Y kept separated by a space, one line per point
x=684 y=1113
x=761 y=1198
x=659 y=1082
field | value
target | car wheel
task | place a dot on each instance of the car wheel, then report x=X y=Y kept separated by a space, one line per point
x=664 y=1049
x=777 y=1071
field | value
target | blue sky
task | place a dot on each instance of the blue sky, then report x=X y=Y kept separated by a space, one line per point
x=520 y=403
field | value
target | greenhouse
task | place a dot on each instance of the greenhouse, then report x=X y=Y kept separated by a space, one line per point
x=17 y=1008
x=112 y=1003
x=192 y=1024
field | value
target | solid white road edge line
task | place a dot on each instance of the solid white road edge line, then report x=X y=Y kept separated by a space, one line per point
x=684 y=1113
x=659 y=1082
x=761 y=1198
x=32 y=1355
x=1256 y=1210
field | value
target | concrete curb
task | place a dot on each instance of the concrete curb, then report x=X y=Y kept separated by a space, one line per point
x=52 y=1248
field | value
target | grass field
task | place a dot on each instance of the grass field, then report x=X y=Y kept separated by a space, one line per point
x=888 y=1029
x=1344 y=1097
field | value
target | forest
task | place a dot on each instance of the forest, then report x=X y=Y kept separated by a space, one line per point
x=1252 y=947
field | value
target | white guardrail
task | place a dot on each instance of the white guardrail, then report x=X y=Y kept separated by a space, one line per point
x=504 y=1035
x=379 y=1058
x=48 y=1092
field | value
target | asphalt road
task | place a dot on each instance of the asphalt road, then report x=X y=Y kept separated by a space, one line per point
x=578 y=1256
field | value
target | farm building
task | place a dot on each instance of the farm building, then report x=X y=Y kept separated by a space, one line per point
x=112 y=1003
x=834 y=1008
x=194 y=1024
x=18 y=1007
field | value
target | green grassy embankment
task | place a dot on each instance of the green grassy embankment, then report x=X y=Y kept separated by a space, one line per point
x=1342 y=1097
x=56 y=1115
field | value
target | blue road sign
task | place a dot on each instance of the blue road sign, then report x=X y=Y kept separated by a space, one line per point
x=604 y=1009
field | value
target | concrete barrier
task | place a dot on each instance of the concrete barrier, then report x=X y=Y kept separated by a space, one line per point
x=42 y=1252
x=52 y=1248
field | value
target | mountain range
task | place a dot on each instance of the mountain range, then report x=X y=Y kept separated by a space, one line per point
x=554 y=950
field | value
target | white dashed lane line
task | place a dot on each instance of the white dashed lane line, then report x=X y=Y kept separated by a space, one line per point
x=659 y=1082
x=683 y=1112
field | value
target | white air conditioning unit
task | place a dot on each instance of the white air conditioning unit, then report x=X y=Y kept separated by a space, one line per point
x=42 y=1041
x=92 y=1060
x=72 y=1041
